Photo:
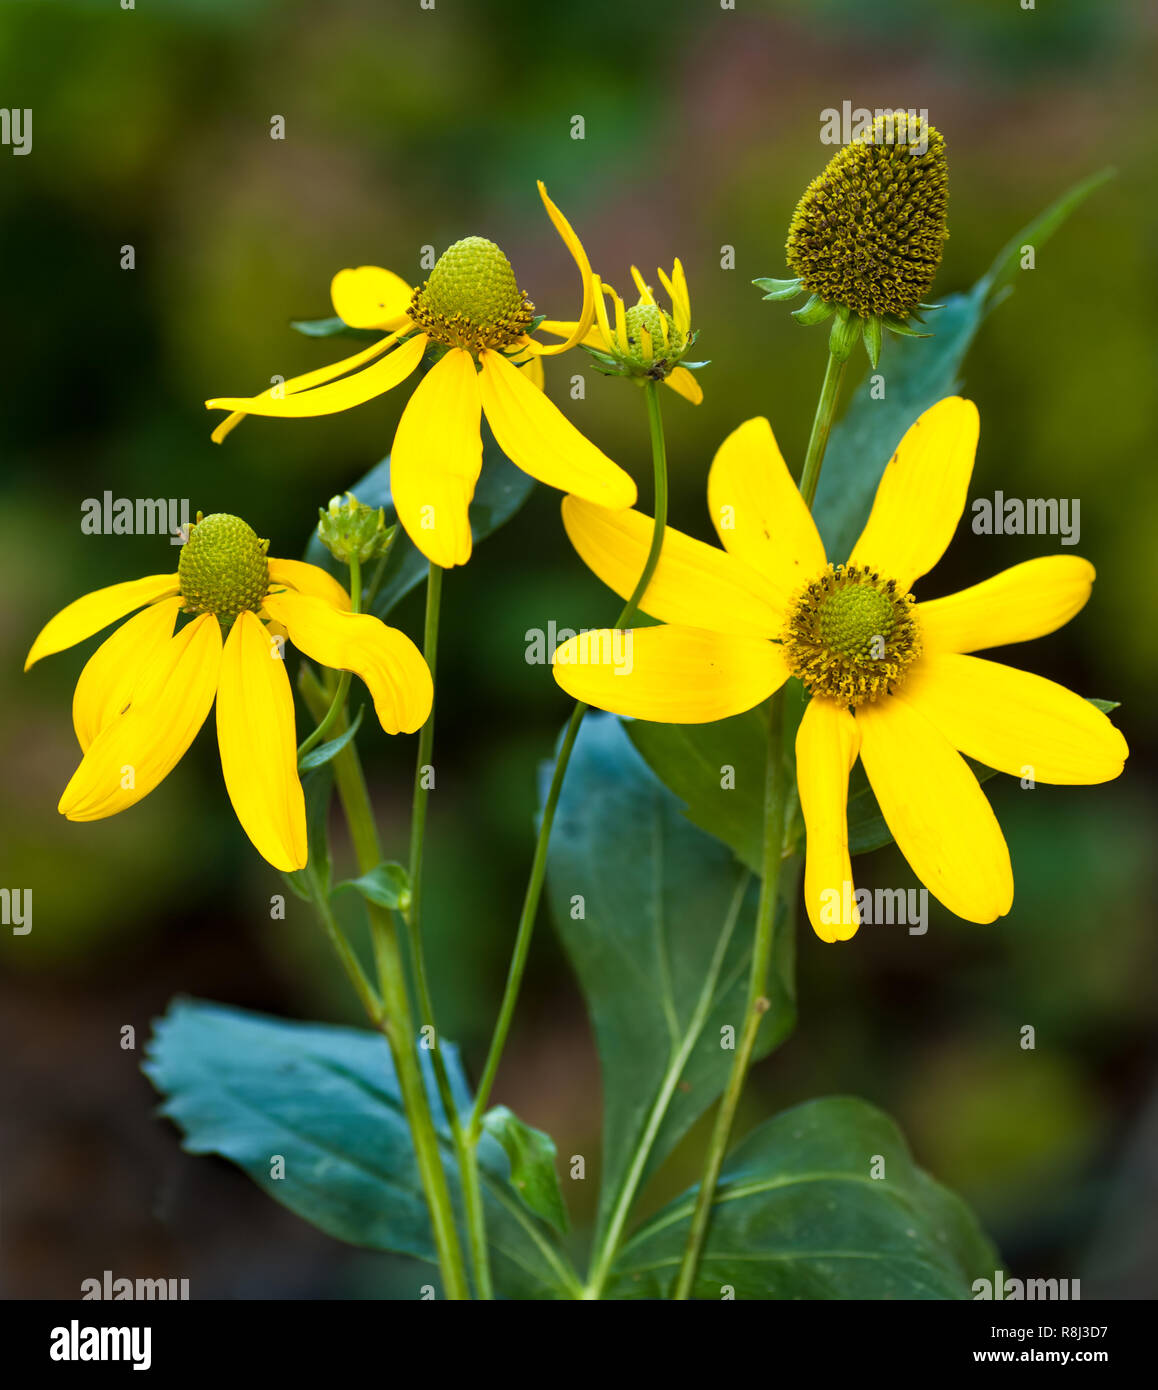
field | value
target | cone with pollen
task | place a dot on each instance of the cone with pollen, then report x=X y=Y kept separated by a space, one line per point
x=867 y=236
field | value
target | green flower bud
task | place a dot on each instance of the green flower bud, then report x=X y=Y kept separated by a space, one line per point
x=349 y=529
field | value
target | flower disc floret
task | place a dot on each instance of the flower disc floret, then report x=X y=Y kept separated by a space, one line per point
x=223 y=568
x=472 y=299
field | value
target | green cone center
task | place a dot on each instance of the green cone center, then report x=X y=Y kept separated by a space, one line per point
x=857 y=622
x=650 y=320
x=223 y=568
x=472 y=299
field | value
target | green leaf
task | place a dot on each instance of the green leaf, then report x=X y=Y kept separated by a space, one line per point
x=917 y=375
x=325 y=752
x=718 y=771
x=386 y=884
x=314 y=879
x=335 y=328
x=778 y=289
x=1106 y=706
x=532 y=1158
x=657 y=918
x=326 y=1100
x=502 y=489
x=821 y=1202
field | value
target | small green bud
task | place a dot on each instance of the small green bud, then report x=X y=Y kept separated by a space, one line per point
x=349 y=529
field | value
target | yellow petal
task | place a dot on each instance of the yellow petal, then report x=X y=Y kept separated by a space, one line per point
x=759 y=514
x=826 y=748
x=308 y=579
x=1026 y=601
x=89 y=614
x=112 y=672
x=645 y=294
x=386 y=659
x=136 y=750
x=673 y=675
x=370 y=297
x=533 y=368
x=936 y=810
x=258 y=746
x=684 y=384
x=694 y=584
x=318 y=377
x=558 y=328
x=350 y=391
x=539 y=439
x=922 y=494
x=1015 y=721
x=437 y=457
x=677 y=288
x=575 y=246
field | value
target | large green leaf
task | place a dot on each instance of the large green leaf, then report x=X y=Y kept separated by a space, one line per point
x=502 y=489
x=657 y=919
x=799 y=1214
x=326 y=1100
x=917 y=372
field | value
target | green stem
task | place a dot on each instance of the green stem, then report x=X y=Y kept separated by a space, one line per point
x=776 y=822
x=332 y=715
x=757 y=1004
x=393 y=1015
x=821 y=428
x=539 y=862
x=464 y=1150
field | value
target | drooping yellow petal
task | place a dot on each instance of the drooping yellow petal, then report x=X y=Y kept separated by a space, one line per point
x=136 y=750
x=1026 y=601
x=387 y=660
x=559 y=328
x=538 y=438
x=308 y=579
x=437 y=457
x=575 y=246
x=113 y=671
x=1015 y=721
x=684 y=384
x=370 y=297
x=305 y=382
x=258 y=745
x=922 y=494
x=759 y=514
x=694 y=584
x=350 y=391
x=672 y=675
x=826 y=748
x=936 y=810
x=533 y=368
x=89 y=614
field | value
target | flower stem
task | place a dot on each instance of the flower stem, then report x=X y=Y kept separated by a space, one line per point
x=393 y=1016
x=821 y=428
x=539 y=862
x=464 y=1150
x=332 y=715
x=777 y=786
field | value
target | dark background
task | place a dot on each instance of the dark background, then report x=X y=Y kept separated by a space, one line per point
x=406 y=127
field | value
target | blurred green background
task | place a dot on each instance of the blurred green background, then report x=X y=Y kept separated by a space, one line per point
x=406 y=127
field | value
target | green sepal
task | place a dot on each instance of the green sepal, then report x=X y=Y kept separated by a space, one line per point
x=901 y=328
x=334 y=328
x=1106 y=706
x=779 y=289
x=322 y=754
x=872 y=339
x=846 y=330
x=386 y=885
x=815 y=310
x=532 y=1159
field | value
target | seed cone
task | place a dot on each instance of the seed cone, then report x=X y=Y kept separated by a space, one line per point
x=870 y=230
x=472 y=299
x=223 y=568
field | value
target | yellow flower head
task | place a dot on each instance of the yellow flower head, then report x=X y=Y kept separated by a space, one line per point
x=474 y=318
x=891 y=679
x=644 y=341
x=146 y=691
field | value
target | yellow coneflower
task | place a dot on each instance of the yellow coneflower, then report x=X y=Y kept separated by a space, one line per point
x=146 y=691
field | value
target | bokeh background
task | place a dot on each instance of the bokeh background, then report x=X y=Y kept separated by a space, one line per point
x=406 y=127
